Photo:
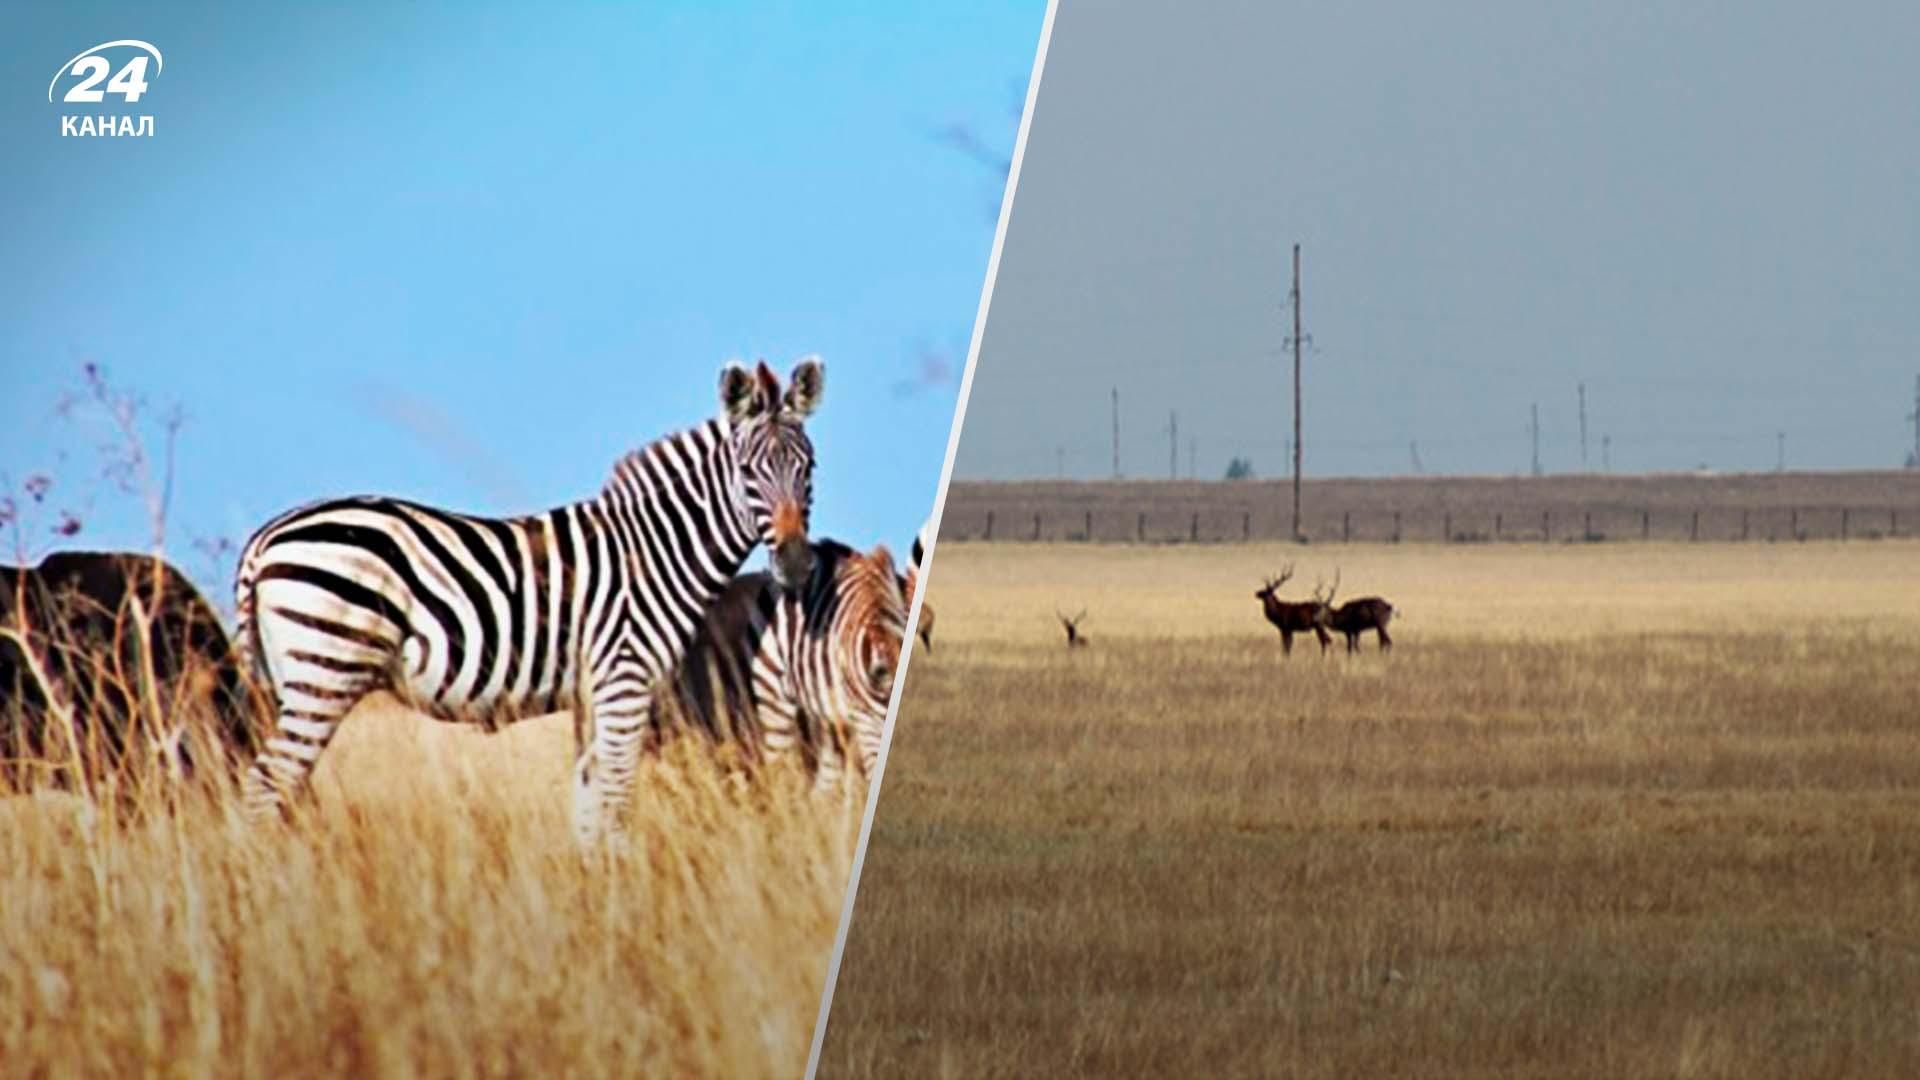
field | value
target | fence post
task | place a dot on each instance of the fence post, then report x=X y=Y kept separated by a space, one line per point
x=1893 y=524
x=1140 y=528
x=989 y=535
x=1586 y=527
x=1646 y=524
x=1246 y=524
x=1743 y=524
x=1089 y=526
x=1396 y=526
x=1843 y=522
x=1193 y=532
x=1446 y=535
x=1793 y=523
x=1346 y=526
x=1036 y=526
x=1546 y=526
x=1694 y=533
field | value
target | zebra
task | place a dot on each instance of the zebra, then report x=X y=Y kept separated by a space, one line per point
x=583 y=608
x=911 y=584
x=810 y=669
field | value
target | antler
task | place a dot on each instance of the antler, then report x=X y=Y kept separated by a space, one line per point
x=1285 y=575
x=1328 y=600
x=1082 y=615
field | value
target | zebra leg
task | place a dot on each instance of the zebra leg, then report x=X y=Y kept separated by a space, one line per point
x=618 y=732
x=284 y=765
x=831 y=764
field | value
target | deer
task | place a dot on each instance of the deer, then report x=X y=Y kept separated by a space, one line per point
x=1356 y=617
x=1293 y=618
x=1075 y=639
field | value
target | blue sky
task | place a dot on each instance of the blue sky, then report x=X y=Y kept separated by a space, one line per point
x=1708 y=213
x=472 y=255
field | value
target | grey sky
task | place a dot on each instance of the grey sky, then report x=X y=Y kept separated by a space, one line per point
x=1710 y=213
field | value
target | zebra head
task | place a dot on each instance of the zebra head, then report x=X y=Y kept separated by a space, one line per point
x=775 y=457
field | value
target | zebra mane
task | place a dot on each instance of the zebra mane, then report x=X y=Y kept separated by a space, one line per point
x=630 y=476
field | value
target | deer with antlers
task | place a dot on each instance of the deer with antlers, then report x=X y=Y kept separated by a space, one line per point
x=1075 y=639
x=1293 y=618
x=1356 y=617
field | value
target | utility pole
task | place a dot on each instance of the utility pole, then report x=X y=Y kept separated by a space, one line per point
x=1780 y=463
x=1583 y=427
x=1914 y=419
x=1606 y=453
x=1116 y=433
x=1414 y=449
x=1536 y=438
x=1173 y=445
x=1297 y=339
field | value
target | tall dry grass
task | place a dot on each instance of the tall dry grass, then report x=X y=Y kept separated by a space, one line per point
x=1602 y=812
x=430 y=915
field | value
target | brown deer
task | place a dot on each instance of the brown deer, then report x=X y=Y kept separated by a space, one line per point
x=1356 y=617
x=1075 y=639
x=1294 y=618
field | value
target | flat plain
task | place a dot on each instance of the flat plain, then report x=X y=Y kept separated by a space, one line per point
x=1643 y=809
x=430 y=916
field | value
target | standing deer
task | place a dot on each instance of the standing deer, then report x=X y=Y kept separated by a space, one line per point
x=1356 y=617
x=1075 y=639
x=1294 y=618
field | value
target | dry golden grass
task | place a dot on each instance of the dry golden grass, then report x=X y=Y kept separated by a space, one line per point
x=1604 y=811
x=431 y=916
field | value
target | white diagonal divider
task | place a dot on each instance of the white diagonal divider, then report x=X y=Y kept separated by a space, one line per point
x=933 y=534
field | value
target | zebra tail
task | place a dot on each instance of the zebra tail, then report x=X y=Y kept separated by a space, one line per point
x=246 y=627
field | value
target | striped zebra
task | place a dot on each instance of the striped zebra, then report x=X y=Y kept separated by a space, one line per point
x=774 y=670
x=480 y=620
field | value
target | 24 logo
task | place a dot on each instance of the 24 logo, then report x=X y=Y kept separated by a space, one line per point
x=130 y=83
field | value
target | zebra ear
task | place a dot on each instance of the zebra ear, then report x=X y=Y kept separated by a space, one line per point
x=741 y=398
x=882 y=560
x=808 y=383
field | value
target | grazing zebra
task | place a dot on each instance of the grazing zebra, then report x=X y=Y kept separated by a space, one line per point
x=808 y=669
x=584 y=607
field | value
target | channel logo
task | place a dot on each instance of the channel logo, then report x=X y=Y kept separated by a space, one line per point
x=92 y=78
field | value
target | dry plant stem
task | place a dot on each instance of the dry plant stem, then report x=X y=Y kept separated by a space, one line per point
x=429 y=915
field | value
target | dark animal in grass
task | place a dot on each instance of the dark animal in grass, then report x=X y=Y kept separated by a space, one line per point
x=1075 y=639
x=1292 y=618
x=1356 y=617
x=118 y=657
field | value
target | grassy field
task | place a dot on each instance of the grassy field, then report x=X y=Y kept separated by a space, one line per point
x=1605 y=810
x=432 y=918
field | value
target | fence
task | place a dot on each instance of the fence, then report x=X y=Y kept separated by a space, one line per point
x=1163 y=523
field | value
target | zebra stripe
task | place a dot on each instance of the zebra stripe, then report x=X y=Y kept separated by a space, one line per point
x=481 y=620
x=777 y=670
